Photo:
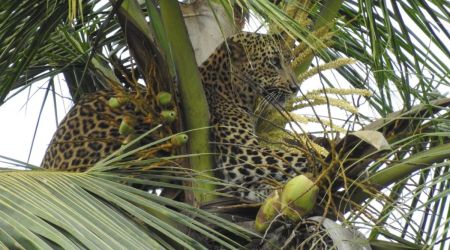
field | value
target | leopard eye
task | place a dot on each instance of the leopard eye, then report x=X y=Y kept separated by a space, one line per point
x=276 y=62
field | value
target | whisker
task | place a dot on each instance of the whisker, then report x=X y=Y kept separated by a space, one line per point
x=268 y=96
x=262 y=107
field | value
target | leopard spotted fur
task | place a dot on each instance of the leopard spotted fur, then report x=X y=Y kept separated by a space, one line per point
x=246 y=67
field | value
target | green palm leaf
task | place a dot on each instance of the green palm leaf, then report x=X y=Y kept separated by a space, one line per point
x=42 y=209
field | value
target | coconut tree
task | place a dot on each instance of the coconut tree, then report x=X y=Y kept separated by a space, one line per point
x=385 y=167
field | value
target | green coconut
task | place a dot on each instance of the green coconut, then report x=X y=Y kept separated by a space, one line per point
x=168 y=116
x=164 y=98
x=179 y=140
x=127 y=126
x=267 y=212
x=298 y=197
x=117 y=102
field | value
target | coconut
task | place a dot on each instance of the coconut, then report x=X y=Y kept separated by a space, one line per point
x=267 y=212
x=164 y=98
x=117 y=102
x=127 y=126
x=168 y=116
x=298 y=197
x=179 y=140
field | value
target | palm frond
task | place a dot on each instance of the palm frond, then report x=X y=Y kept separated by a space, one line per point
x=392 y=53
x=42 y=209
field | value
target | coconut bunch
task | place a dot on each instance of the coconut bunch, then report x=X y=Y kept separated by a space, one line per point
x=151 y=109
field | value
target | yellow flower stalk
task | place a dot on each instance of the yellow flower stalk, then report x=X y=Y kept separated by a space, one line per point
x=275 y=138
x=315 y=100
x=302 y=54
x=301 y=57
x=299 y=118
x=323 y=35
x=361 y=92
x=267 y=140
x=304 y=140
x=330 y=65
x=326 y=123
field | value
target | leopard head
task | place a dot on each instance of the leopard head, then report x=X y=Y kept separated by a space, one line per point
x=260 y=66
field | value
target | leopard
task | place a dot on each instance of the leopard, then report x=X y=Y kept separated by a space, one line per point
x=246 y=68
x=243 y=69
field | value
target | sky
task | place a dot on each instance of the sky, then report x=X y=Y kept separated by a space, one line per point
x=18 y=122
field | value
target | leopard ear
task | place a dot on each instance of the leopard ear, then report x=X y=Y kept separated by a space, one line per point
x=279 y=36
x=285 y=43
x=235 y=50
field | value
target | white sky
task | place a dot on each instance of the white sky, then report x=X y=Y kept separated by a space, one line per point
x=18 y=122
